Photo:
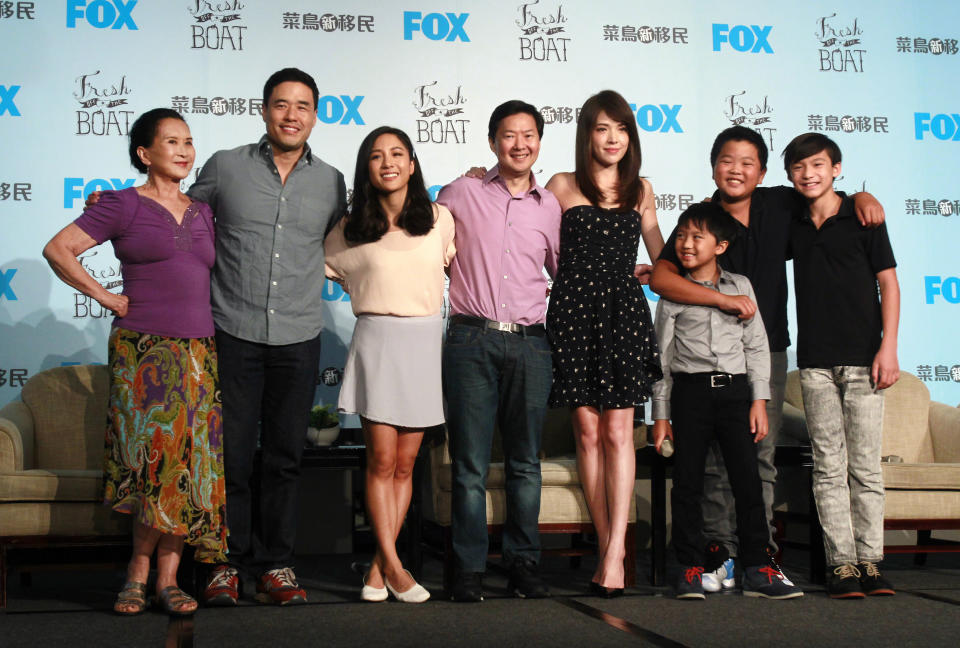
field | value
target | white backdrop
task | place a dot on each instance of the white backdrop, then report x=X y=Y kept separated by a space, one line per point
x=877 y=76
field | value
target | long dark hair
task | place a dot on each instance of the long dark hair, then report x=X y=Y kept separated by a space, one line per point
x=366 y=221
x=630 y=187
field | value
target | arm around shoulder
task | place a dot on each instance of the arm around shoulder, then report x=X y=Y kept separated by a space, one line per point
x=868 y=209
x=205 y=188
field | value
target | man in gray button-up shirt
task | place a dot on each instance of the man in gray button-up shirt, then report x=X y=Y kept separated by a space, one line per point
x=274 y=202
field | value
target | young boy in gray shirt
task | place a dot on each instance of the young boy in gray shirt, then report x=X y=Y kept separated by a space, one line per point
x=716 y=383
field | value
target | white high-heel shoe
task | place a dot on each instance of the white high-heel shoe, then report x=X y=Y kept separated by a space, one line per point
x=372 y=594
x=416 y=594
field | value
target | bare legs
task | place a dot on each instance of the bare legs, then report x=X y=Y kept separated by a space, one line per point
x=607 y=466
x=391 y=454
x=169 y=549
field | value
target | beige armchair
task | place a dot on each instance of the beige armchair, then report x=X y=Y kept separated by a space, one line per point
x=51 y=463
x=563 y=509
x=922 y=491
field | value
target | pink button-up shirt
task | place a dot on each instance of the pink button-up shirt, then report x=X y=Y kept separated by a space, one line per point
x=503 y=244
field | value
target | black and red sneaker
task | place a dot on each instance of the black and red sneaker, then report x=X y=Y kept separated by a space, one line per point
x=223 y=587
x=689 y=584
x=280 y=587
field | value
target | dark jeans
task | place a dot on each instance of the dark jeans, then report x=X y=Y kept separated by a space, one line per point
x=719 y=512
x=701 y=414
x=267 y=393
x=493 y=377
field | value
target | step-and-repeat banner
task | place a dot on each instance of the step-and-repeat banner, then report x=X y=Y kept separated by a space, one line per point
x=880 y=77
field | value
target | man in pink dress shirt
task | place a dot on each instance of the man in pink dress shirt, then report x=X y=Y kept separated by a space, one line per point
x=496 y=359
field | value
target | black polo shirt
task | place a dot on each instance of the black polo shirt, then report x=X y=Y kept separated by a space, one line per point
x=759 y=251
x=835 y=277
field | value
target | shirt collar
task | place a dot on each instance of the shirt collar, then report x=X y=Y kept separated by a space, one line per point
x=266 y=151
x=535 y=189
x=845 y=210
x=724 y=278
x=756 y=206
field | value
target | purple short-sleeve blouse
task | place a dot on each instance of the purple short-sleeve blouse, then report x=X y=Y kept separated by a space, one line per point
x=165 y=265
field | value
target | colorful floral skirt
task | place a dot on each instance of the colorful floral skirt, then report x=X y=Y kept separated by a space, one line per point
x=164 y=444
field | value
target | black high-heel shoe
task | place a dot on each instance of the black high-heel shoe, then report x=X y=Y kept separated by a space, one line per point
x=596 y=589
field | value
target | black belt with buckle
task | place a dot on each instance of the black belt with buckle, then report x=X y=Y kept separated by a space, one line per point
x=536 y=330
x=710 y=378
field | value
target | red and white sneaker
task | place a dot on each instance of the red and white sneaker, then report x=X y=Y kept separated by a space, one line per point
x=279 y=586
x=223 y=587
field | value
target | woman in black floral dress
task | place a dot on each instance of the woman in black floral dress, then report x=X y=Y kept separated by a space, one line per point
x=604 y=351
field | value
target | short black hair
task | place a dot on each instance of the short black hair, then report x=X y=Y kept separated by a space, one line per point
x=803 y=146
x=513 y=107
x=144 y=131
x=712 y=217
x=290 y=74
x=740 y=134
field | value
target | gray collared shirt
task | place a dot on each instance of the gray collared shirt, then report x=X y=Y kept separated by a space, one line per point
x=696 y=339
x=267 y=281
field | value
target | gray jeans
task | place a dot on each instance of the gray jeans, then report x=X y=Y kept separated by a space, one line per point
x=845 y=419
x=719 y=513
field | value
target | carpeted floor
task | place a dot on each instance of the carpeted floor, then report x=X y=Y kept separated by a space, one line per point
x=72 y=608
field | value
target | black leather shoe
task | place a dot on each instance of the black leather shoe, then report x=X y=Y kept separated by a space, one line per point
x=467 y=588
x=525 y=582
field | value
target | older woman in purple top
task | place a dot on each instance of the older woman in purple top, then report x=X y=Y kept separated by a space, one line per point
x=164 y=459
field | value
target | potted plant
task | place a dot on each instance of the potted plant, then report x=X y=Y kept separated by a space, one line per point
x=324 y=425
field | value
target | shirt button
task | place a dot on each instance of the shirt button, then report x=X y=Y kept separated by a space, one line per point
x=503 y=305
x=508 y=251
x=504 y=276
x=279 y=226
x=274 y=283
x=276 y=256
x=272 y=311
x=283 y=199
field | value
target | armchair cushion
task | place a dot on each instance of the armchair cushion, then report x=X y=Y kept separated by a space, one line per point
x=931 y=476
x=558 y=471
x=61 y=519
x=51 y=486
x=921 y=505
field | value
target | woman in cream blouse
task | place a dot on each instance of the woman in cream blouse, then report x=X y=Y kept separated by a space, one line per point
x=389 y=254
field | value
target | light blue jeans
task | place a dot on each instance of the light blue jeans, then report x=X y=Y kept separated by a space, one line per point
x=845 y=418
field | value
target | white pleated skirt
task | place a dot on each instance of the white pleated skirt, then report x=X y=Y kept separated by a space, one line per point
x=392 y=373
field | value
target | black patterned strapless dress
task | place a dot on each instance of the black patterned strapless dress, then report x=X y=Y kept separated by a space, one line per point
x=604 y=350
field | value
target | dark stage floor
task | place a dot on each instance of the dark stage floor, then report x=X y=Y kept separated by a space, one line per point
x=72 y=608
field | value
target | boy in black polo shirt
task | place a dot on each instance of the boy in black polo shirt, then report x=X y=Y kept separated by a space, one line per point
x=847 y=354
x=762 y=217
